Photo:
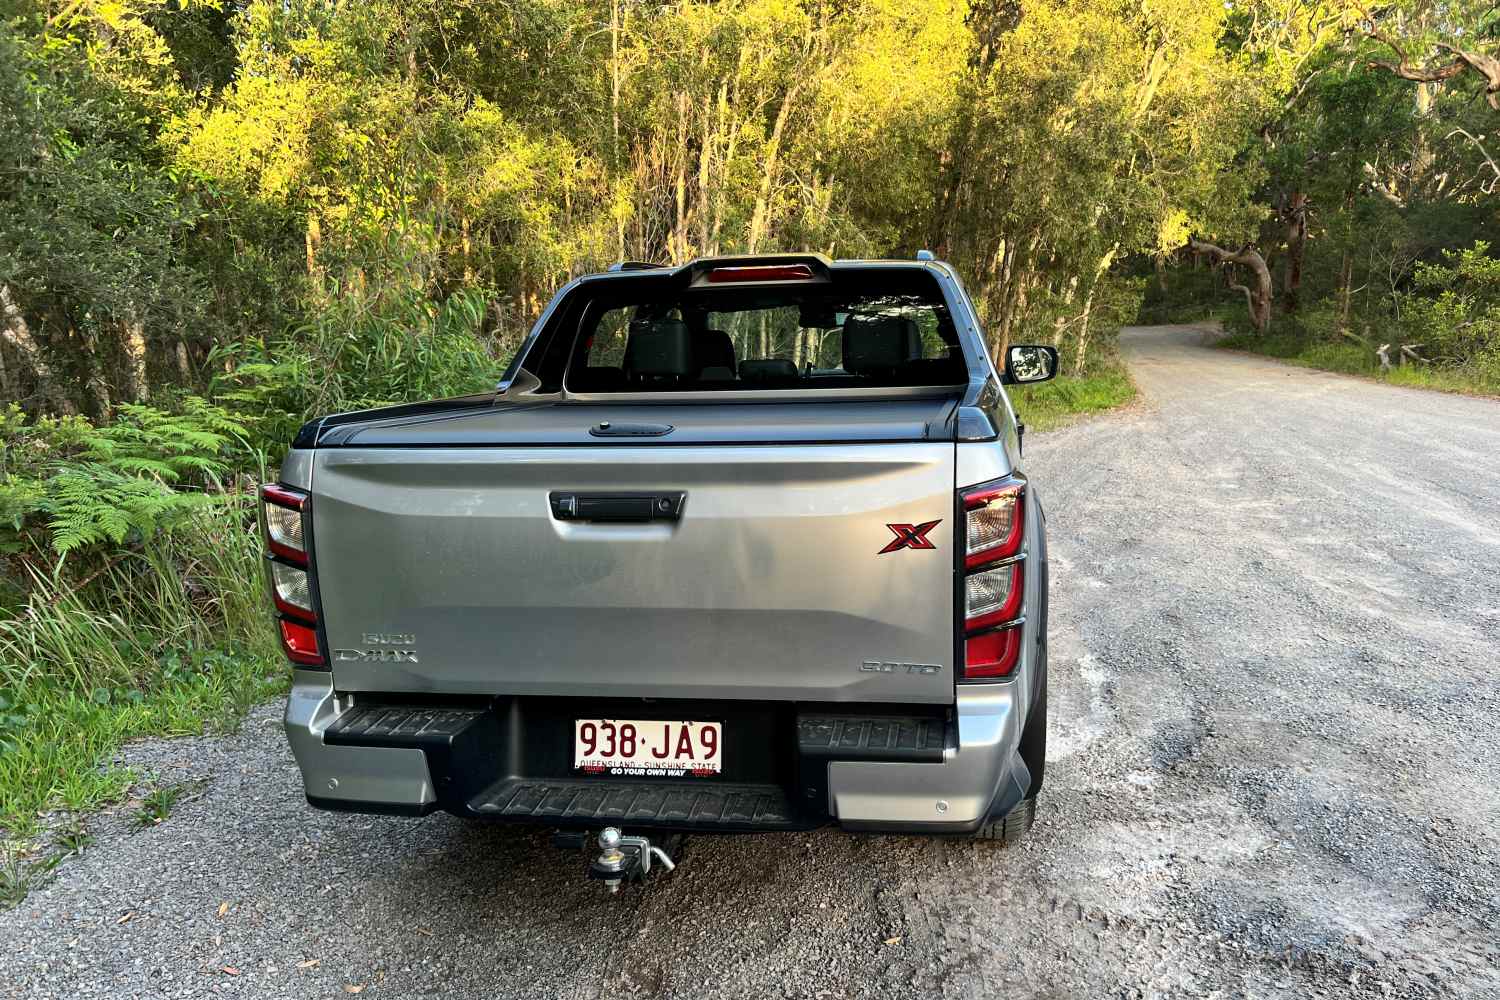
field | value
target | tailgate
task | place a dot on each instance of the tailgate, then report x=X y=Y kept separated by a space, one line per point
x=771 y=585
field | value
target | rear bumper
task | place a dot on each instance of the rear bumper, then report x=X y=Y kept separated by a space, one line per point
x=866 y=772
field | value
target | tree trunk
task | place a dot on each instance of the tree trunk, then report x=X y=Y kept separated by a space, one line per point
x=761 y=213
x=184 y=368
x=18 y=335
x=314 y=237
x=1346 y=281
x=1296 y=245
x=614 y=110
x=1258 y=299
x=1088 y=307
x=136 y=385
x=680 y=226
x=705 y=163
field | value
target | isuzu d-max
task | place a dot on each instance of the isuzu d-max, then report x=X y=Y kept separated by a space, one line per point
x=739 y=545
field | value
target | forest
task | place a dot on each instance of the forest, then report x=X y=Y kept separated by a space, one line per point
x=220 y=218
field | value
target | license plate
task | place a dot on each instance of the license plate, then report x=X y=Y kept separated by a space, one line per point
x=647 y=748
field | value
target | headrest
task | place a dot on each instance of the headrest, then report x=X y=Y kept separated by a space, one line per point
x=715 y=350
x=597 y=379
x=768 y=370
x=879 y=343
x=659 y=347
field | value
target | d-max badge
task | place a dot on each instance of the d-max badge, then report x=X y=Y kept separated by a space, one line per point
x=910 y=536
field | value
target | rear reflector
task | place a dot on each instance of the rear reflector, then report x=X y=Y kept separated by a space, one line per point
x=992 y=654
x=300 y=643
x=762 y=272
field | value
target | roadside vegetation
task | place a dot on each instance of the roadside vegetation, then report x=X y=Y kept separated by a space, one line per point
x=1058 y=403
x=218 y=220
x=1373 y=253
x=1448 y=323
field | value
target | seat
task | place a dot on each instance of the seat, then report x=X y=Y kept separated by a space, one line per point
x=935 y=371
x=879 y=345
x=714 y=352
x=601 y=378
x=768 y=370
x=659 y=350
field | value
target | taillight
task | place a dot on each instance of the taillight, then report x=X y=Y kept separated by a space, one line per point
x=291 y=591
x=994 y=577
x=284 y=508
x=300 y=642
x=284 y=513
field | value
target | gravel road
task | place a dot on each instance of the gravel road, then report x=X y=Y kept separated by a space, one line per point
x=1275 y=771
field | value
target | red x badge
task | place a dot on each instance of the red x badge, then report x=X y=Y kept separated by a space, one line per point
x=910 y=536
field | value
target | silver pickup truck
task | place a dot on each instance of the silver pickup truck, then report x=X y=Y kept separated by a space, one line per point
x=740 y=545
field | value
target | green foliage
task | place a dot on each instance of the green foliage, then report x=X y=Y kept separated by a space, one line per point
x=194 y=588
x=92 y=223
x=1057 y=403
x=69 y=484
x=363 y=351
x=1307 y=347
x=157 y=805
x=1455 y=315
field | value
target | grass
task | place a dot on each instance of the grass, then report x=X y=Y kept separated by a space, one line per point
x=157 y=805
x=170 y=638
x=1056 y=403
x=61 y=761
x=1353 y=359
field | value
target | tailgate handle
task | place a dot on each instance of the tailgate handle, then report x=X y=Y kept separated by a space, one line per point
x=619 y=508
x=605 y=429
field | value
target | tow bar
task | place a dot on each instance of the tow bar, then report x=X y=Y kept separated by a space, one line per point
x=621 y=859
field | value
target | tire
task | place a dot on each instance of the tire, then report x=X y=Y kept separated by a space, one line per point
x=1013 y=827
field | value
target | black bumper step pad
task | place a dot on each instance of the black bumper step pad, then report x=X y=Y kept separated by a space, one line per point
x=601 y=800
x=382 y=724
x=860 y=737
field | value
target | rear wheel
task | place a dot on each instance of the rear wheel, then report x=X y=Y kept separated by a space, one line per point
x=1013 y=827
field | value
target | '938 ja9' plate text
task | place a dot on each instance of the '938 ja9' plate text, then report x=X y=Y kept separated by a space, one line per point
x=647 y=748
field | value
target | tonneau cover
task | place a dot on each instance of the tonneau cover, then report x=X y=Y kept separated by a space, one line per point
x=575 y=422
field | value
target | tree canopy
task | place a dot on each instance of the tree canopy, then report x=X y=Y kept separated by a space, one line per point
x=191 y=183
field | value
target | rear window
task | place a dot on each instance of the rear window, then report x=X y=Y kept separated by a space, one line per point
x=785 y=337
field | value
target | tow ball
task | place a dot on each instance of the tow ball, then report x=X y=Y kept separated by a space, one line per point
x=621 y=858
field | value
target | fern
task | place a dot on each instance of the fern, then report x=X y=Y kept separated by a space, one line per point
x=90 y=505
x=78 y=486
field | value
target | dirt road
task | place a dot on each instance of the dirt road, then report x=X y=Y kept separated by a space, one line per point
x=1275 y=771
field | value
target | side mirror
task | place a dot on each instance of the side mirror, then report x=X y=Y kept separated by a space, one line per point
x=1030 y=363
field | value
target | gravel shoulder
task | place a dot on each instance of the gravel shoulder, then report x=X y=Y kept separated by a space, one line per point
x=1275 y=770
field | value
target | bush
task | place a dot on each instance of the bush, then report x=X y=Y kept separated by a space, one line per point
x=359 y=351
x=126 y=539
x=1455 y=313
